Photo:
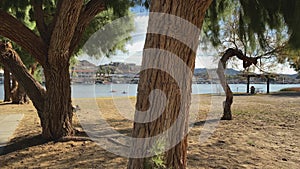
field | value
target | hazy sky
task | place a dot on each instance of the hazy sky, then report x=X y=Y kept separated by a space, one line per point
x=135 y=46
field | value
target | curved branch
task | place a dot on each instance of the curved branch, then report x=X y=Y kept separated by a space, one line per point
x=247 y=61
x=39 y=19
x=13 y=29
x=11 y=60
x=88 y=13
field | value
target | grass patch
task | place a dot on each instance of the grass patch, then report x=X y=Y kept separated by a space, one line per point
x=251 y=143
x=291 y=89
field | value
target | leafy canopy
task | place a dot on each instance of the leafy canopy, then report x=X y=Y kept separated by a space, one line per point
x=257 y=27
x=255 y=18
x=23 y=10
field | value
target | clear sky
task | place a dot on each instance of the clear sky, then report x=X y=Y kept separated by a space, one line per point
x=135 y=46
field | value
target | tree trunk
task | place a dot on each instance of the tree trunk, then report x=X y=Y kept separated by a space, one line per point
x=247 y=61
x=54 y=106
x=11 y=60
x=52 y=50
x=227 y=115
x=7 y=86
x=15 y=95
x=58 y=109
x=168 y=62
x=18 y=94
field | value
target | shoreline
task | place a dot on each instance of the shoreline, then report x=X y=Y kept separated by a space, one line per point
x=86 y=91
x=287 y=92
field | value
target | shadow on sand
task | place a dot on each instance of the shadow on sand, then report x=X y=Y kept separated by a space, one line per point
x=22 y=143
x=202 y=122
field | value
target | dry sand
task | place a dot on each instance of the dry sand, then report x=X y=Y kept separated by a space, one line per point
x=263 y=134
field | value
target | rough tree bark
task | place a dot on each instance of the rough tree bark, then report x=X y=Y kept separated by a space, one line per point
x=193 y=11
x=10 y=59
x=7 y=86
x=52 y=49
x=13 y=91
x=18 y=94
x=58 y=109
x=247 y=61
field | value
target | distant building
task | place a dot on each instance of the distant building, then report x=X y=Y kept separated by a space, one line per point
x=84 y=72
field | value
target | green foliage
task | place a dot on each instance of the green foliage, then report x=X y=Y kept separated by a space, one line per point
x=251 y=143
x=109 y=34
x=25 y=56
x=291 y=56
x=23 y=11
x=256 y=27
x=214 y=18
x=291 y=13
x=38 y=74
x=157 y=161
x=255 y=18
x=19 y=9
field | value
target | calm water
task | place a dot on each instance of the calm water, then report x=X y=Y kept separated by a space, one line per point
x=87 y=91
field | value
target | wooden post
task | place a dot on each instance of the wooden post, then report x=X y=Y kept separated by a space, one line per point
x=268 y=84
x=248 y=83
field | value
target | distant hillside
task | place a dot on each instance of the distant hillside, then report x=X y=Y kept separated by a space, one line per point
x=229 y=71
x=199 y=70
x=287 y=78
x=232 y=72
x=293 y=76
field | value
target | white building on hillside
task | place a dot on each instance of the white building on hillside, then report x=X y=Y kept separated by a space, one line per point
x=84 y=72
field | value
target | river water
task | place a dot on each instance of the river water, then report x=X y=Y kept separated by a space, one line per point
x=117 y=90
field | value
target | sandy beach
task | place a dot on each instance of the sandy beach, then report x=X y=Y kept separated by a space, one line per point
x=263 y=134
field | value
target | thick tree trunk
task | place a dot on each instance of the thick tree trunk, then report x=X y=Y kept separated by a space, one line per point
x=58 y=109
x=7 y=86
x=54 y=106
x=52 y=50
x=174 y=38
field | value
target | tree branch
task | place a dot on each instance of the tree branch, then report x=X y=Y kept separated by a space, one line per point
x=53 y=23
x=63 y=31
x=275 y=50
x=13 y=29
x=11 y=60
x=239 y=54
x=247 y=61
x=88 y=13
x=39 y=19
